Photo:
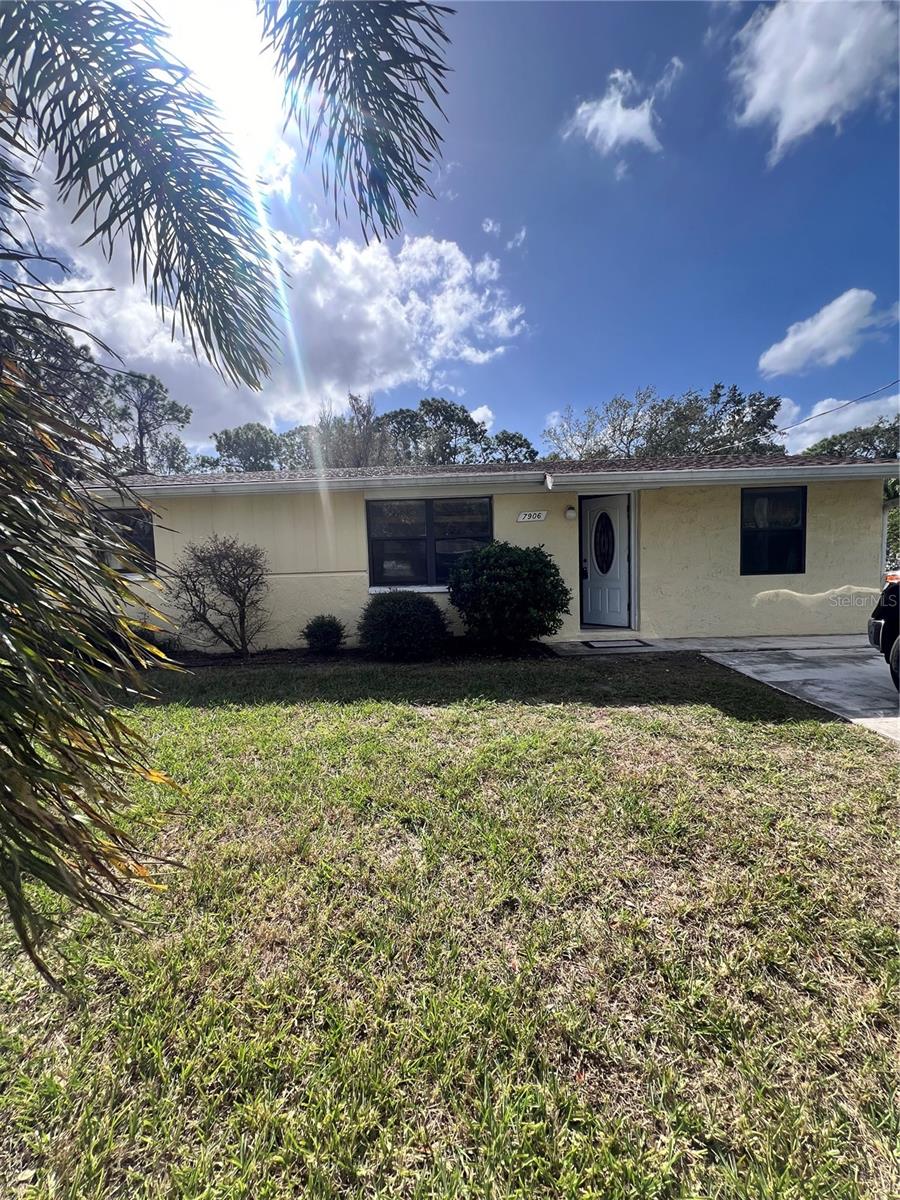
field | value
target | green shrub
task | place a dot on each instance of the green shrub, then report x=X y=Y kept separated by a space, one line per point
x=324 y=633
x=508 y=595
x=402 y=625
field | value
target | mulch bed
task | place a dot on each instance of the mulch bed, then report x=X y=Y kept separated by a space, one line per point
x=460 y=648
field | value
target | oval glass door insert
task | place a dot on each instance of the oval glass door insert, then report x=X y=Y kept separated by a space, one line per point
x=604 y=543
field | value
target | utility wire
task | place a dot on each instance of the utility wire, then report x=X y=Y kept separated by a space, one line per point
x=837 y=408
x=814 y=416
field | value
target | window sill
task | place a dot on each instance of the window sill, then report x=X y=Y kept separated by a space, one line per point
x=409 y=587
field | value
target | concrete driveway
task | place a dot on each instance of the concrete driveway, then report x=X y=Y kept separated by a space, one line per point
x=853 y=682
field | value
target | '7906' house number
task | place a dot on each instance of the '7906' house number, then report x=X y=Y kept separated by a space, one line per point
x=531 y=516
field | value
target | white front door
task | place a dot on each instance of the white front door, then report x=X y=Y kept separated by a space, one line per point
x=605 y=585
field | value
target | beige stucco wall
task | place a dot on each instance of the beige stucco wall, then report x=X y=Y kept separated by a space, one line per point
x=316 y=546
x=687 y=562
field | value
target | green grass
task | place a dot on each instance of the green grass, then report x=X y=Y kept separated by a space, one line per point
x=611 y=928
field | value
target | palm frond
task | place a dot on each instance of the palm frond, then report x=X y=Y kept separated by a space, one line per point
x=139 y=148
x=358 y=78
x=68 y=655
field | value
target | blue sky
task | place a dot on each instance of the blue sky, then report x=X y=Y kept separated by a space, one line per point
x=667 y=194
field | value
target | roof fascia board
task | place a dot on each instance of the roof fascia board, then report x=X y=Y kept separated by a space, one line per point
x=507 y=481
x=628 y=480
x=256 y=487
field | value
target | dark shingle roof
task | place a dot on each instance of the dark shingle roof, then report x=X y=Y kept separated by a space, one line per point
x=696 y=462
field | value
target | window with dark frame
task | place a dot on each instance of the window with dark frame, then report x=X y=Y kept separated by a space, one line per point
x=773 y=531
x=136 y=527
x=415 y=542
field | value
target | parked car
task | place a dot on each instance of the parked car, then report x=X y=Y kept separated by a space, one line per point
x=884 y=626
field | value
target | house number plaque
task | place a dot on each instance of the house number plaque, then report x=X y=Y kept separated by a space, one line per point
x=532 y=516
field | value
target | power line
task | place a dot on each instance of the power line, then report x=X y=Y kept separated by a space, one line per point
x=813 y=416
x=837 y=408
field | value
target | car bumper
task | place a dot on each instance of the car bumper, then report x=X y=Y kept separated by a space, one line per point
x=875 y=628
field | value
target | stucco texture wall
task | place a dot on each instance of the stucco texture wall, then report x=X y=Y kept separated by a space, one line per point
x=558 y=536
x=316 y=546
x=690 y=583
x=688 y=561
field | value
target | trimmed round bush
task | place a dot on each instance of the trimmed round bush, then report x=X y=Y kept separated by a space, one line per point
x=508 y=595
x=324 y=633
x=402 y=626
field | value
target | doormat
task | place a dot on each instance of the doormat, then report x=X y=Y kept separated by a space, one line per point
x=624 y=643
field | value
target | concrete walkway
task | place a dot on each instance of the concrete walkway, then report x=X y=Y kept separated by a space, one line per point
x=838 y=672
x=852 y=683
x=629 y=642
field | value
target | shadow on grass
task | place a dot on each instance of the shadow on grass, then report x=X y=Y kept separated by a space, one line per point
x=640 y=680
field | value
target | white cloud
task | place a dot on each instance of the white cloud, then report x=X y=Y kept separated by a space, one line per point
x=489 y=225
x=518 y=239
x=664 y=85
x=487 y=269
x=802 y=65
x=609 y=124
x=276 y=170
x=484 y=415
x=369 y=318
x=865 y=413
x=621 y=171
x=442 y=190
x=720 y=29
x=364 y=319
x=835 y=332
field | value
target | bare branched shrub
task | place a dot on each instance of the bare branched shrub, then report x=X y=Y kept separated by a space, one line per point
x=220 y=587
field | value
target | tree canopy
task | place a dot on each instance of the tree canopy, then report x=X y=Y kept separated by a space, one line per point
x=436 y=432
x=881 y=439
x=143 y=419
x=720 y=421
x=133 y=413
x=878 y=440
x=250 y=447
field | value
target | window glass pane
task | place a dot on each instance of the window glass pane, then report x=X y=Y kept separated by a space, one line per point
x=778 y=508
x=773 y=552
x=137 y=528
x=754 y=553
x=396 y=518
x=462 y=518
x=604 y=543
x=416 y=541
x=396 y=561
x=448 y=550
x=785 y=552
x=773 y=533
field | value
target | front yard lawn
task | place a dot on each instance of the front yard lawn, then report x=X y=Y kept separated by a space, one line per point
x=609 y=928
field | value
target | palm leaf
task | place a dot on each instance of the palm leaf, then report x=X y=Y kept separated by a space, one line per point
x=358 y=79
x=138 y=148
x=68 y=656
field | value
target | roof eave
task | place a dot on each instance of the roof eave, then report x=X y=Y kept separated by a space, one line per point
x=701 y=476
x=562 y=481
x=359 y=484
